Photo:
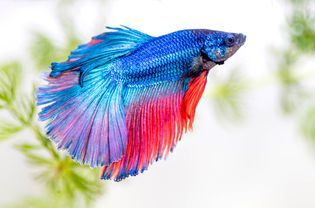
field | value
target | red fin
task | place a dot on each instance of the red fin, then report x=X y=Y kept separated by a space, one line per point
x=154 y=125
x=156 y=117
x=196 y=86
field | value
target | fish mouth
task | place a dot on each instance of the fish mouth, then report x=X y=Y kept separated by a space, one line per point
x=218 y=62
x=241 y=39
x=207 y=59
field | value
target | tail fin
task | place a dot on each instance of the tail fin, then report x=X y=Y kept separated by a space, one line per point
x=83 y=104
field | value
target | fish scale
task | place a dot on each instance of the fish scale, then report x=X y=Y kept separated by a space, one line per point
x=169 y=63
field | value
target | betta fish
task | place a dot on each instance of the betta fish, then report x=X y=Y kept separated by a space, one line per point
x=124 y=99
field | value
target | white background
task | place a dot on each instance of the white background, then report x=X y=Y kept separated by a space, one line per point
x=262 y=162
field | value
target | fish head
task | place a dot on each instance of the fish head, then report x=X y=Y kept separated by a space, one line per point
x=219 y=46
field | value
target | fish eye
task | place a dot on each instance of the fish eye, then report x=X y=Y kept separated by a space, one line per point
x=230 y=40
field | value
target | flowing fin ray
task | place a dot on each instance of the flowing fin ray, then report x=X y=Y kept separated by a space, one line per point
x=156 y=118
x=83 y=103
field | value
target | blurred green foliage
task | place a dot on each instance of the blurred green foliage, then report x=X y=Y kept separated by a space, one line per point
x=291 y=91
x=44 y=51
x=9 y=81
x=71 y=184
x=296 y=97
x=303 y=31
x=302 y=25
x=227 y=96
x=308 y=123
x=66 y=183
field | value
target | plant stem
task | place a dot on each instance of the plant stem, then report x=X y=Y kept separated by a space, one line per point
x=44 y=141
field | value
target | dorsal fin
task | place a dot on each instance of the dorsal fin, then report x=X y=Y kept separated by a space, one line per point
x=101 y=50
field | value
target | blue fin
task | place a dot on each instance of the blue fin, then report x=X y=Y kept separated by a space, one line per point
x=101 y=50
x=89 y=120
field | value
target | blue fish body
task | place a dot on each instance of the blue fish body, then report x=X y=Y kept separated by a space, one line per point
x=125 y=98
x=164 y=58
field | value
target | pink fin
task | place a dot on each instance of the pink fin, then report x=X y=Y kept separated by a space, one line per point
x=88 y=122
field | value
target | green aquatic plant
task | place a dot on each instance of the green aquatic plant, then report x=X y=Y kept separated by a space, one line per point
x=66 y=183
